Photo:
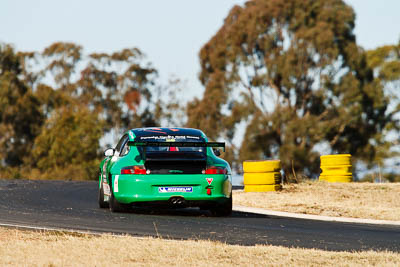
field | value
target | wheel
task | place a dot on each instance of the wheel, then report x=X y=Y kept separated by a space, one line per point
x=262 y=188
x=102 y=203
x=223 y=209
x=115 y=206
x=259 y=178
x=261 y=166
x=336 y=160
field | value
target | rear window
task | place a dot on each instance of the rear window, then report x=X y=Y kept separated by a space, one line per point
x=169 y=138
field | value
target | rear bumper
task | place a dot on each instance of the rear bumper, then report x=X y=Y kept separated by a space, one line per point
x=144 y=189
x=185 y=204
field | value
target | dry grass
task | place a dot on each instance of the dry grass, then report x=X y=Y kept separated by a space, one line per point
x=24 y=248
x=356 y=200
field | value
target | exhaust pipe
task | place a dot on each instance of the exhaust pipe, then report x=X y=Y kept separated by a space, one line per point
x=177 y=201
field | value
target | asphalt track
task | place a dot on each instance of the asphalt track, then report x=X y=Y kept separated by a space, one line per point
x=73 y=206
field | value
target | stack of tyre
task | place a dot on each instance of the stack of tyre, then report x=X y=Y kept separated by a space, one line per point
x=262 y=175
x=336 y=168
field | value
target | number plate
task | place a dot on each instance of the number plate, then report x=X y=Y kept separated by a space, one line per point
x=180 y=189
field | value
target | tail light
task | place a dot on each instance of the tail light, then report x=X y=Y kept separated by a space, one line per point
x=138 y=169
x=216 y=170
x=209 y=191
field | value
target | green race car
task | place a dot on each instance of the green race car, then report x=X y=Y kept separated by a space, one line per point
x=176 y=167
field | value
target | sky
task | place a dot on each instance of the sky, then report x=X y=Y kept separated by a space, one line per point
x=170 y=33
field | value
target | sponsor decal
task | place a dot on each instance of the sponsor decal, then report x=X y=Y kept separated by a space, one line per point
x=131 y=135
x=193 y=137
x=106 y=189
x=180 y=189
x=115 y=187
x=209 y=180
x=168 y=137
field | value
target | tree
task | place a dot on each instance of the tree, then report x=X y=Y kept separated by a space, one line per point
x=20 y=113
x=170 y=108
x=54 y=100
x=292 y=72
x=120 y=87
x=88 y=97
x=68 y=145
x=385 y=61
x=61 y=61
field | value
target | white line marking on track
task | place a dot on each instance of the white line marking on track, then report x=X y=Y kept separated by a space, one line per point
x=313 y=217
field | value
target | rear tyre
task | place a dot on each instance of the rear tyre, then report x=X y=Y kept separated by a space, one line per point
x=102 y=203
x=223 y=210
x=115 y=206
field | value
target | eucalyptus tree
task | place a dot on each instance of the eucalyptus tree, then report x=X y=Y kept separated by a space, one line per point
x=20 y=110
x=290 y=72
x=385 y=62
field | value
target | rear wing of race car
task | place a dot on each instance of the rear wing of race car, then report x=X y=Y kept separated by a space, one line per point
x=177 y=144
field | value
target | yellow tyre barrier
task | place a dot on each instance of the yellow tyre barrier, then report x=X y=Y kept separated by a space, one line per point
x=262 y=175
x=262 y=188
x=336 y=168
x=259 y=178
x=261 y=166
x=336 y=160
x=337 y=179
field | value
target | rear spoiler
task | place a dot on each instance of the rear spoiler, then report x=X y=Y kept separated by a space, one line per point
x=178 y=144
